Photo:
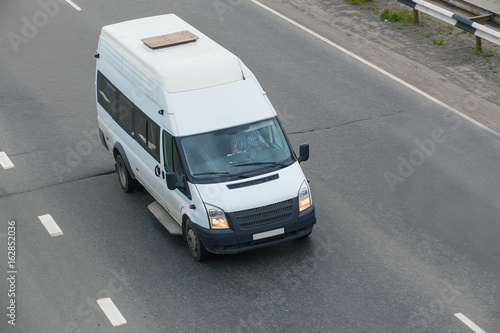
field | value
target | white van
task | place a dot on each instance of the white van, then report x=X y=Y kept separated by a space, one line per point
x=188 y=120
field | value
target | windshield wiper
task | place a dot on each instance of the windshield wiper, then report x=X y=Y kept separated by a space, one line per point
x=260 y=163
x=218 y=173
x=211 y=173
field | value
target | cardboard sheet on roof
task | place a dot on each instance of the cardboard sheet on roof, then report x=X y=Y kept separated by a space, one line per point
x=171 y=39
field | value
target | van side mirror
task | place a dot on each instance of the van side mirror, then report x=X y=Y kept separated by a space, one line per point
x=172 y=183
x=304 y=152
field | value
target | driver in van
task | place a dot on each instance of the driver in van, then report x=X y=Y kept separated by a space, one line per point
x=245 y=141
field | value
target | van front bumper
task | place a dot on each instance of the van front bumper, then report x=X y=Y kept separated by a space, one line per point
x=240 y=237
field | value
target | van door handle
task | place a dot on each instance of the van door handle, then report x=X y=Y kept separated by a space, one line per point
x=157 y=171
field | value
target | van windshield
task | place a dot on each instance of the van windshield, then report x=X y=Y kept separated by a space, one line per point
x=236 y=152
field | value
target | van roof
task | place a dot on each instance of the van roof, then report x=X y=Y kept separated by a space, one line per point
x=197 y=64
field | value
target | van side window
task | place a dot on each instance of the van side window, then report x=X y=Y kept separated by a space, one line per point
x=147 y=134
x=145 y=131
x=167 y=151
x=141 y=126
x=178 y=168
x=172 y=159
x=124 y=112
x=106 y=92
x=115 y=103
x=153 y=136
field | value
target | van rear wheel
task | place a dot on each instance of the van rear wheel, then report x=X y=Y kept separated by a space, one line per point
x=126 y=182
x=196 y=248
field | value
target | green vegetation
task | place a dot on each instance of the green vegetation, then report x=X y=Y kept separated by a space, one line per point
x=438 y=42
x=398 y=17
x=492 y=67
x=355 y=2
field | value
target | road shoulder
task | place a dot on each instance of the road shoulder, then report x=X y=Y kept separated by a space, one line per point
x=455 y=73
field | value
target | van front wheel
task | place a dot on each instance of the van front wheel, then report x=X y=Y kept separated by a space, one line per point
x=127 y=183
x=196 y=247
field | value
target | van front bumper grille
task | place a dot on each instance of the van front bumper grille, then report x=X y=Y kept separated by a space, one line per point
x=266 y=214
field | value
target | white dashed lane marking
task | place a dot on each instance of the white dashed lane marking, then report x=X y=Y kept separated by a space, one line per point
x=5 y=161
x=469 y=323
x=74 y=5
x=111 y=311
x=51 y=225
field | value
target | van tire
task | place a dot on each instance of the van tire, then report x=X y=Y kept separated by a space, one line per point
x=196 y=248
x=126 y=182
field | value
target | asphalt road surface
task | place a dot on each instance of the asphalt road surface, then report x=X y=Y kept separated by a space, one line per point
x=407 y=194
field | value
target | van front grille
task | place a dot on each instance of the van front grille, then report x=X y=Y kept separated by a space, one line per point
x=266 y=214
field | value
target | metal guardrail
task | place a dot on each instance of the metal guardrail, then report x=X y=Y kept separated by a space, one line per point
x=475 y=28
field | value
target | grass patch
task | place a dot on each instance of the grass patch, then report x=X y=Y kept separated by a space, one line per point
x=438 y=42
x=389 y=15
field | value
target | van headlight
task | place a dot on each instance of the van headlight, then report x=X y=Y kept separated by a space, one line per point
x=216 y=217
x=304 y=197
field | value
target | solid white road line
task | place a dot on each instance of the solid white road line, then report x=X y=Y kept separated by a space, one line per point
x=111 y=311
x=5 y=161
x=51 y=225
x=73 y=4
x=366 y=62
x=469 y=323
